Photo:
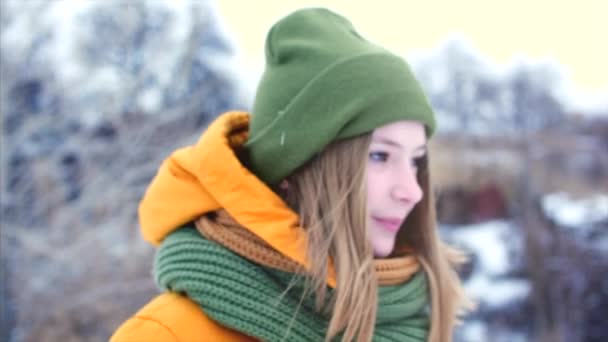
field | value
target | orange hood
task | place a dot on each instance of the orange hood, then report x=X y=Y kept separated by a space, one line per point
x=208 y=176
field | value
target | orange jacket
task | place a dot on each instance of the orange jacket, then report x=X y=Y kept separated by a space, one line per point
x=191 y=182
x=171 y=317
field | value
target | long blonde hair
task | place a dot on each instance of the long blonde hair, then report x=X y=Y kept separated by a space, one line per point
x=329 y=193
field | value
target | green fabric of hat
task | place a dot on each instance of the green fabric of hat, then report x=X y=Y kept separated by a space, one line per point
x=323 y=82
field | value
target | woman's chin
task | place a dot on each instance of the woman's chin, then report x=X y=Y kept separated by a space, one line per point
x=382 y=251
x=383 y=242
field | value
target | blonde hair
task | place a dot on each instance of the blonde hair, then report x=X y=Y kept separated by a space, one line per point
x=330 y=194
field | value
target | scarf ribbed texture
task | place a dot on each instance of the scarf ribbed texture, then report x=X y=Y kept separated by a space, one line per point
x=266 y=302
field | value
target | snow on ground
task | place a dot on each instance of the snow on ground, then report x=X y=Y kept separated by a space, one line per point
x=479 y=331
x=496 y=248
x=570 y=212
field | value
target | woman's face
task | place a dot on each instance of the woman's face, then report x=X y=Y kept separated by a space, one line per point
x=392 y=186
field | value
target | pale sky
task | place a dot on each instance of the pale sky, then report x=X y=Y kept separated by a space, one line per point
x=573 y=33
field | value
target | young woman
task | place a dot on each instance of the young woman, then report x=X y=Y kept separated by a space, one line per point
x=311 y=219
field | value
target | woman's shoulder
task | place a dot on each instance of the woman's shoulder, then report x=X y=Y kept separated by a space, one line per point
x=173 y=317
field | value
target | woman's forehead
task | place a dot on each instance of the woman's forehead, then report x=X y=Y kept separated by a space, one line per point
x=400 y=133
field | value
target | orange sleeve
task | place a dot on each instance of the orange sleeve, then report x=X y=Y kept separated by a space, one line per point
x=141 y=329
x=171 y=317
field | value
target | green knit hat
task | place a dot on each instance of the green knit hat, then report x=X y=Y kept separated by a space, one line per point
x=323 y=82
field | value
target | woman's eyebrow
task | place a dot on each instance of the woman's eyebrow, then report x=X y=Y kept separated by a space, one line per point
x=386 y=141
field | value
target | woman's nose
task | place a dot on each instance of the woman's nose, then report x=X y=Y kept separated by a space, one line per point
x=406 y=188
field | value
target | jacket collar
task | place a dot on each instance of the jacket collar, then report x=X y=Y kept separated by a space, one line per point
x=208 y=176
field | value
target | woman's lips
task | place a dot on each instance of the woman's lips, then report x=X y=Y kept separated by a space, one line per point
x=390 y=224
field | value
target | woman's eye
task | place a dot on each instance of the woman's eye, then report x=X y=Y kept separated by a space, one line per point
x=378 y=156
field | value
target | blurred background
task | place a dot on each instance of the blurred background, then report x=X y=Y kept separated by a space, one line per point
x=95 y=94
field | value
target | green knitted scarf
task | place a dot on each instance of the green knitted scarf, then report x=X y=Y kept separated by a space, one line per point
x=267 y=303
